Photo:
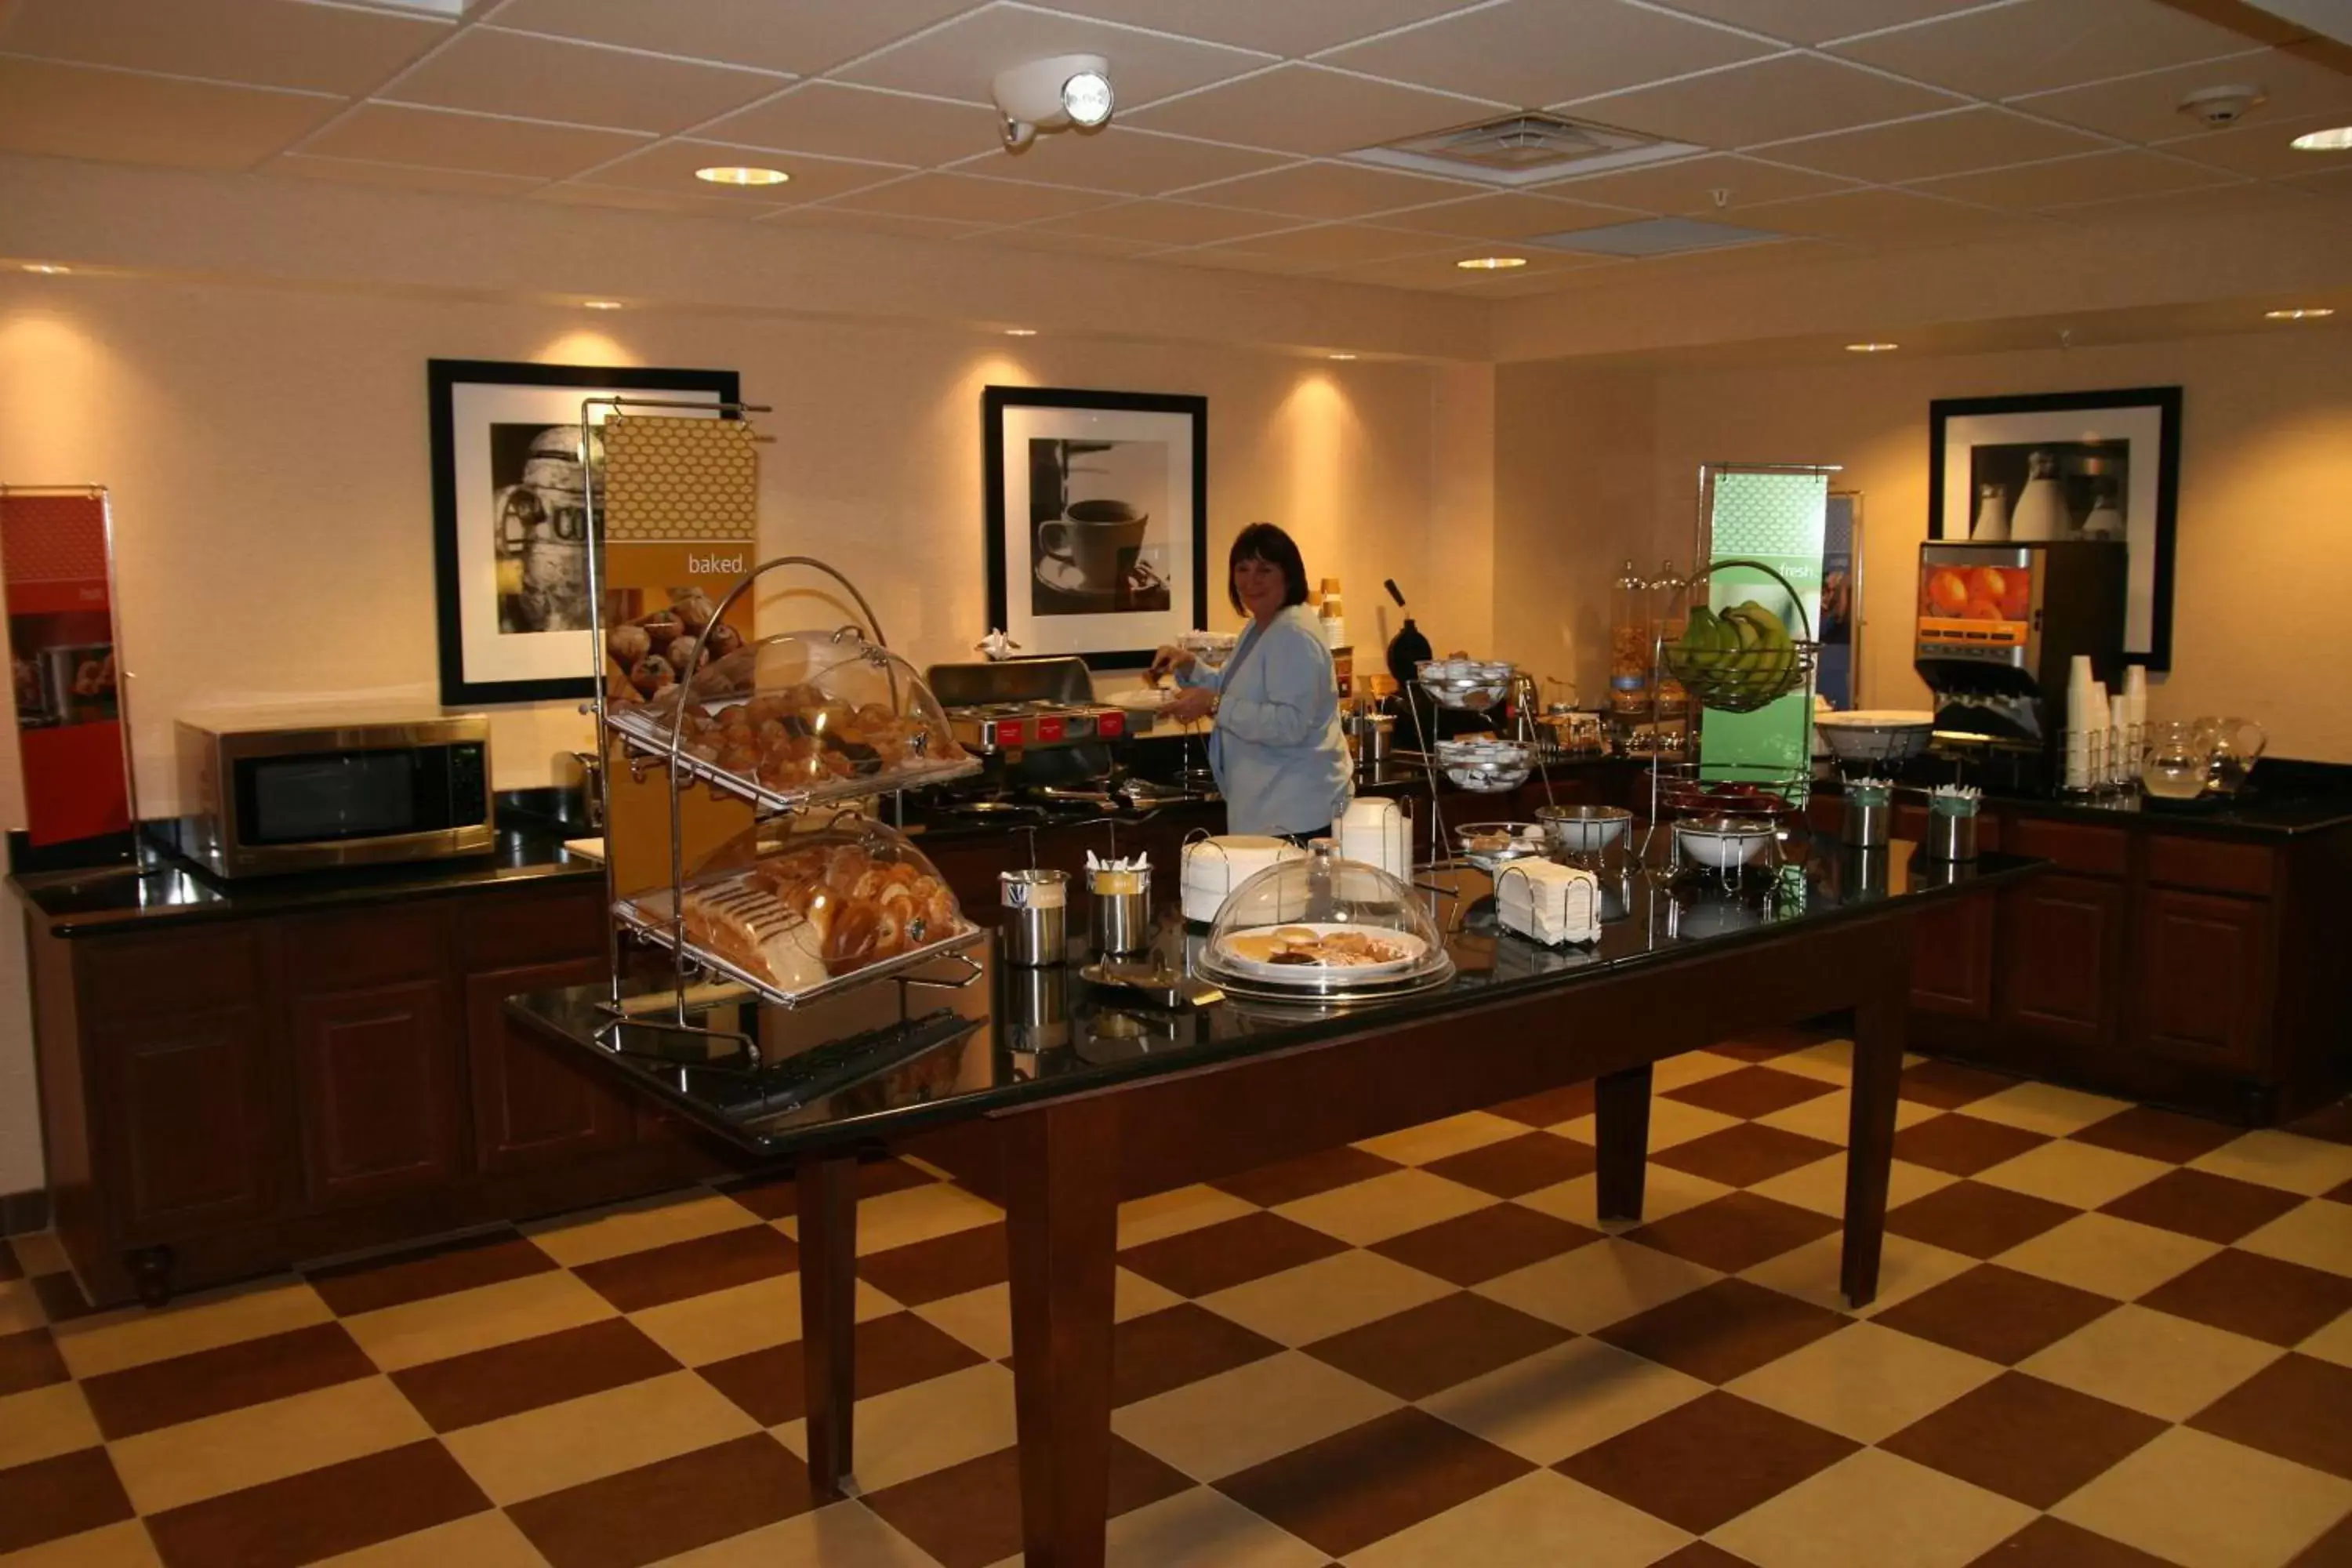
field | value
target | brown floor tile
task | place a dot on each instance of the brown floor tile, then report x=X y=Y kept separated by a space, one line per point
x=1948 y=1085
x=2333 y=1550
x=1723 y=1331
x=1701 y=1554
x=1734 y=1232
x=895 y=1350
x=1751 y=1091
x=30 y=1360
x=318 y=1514
x=2050 y=1543
x=969 y=1515
x=1744 y=1155
x=506 y=1380
x=1707 y=1462
x=772 y=1197
x=60 y=1298
x=660 y=1510
x=2199 y=1203
x=63 y=1496
x=2024 y=1438
x=2342 y=1195
x=1437 y=1344
x=2297 y=1407
x=2262 y=1298
x=10 y=1268
x=1362 y=1485
x=635 y=1280
x=944 y=1265
x=2332 y=1123
x=1472 y=1248
x=1517 y=1165
x=1995 y=1314
x=2156 y=1135
x=1229 y=1253
x=1973 y=1218
x=1765 y=1044
x=1960 y=1145
x=1305 y=1176
x=1550 y=1108
x=227 y=1377
x=1177 y=1345
x=394 y=1279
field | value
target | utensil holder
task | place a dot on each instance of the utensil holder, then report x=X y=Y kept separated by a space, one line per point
x=1867 y=826
x=1119 y=920
x=1037 y=917
x=1950 y=837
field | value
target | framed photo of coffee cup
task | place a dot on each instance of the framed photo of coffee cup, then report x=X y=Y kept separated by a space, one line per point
x=1098 y=520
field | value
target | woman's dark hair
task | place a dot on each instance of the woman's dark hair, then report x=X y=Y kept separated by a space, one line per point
x=1263 y=541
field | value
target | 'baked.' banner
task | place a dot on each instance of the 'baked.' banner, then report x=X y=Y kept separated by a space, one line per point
x=54 y=554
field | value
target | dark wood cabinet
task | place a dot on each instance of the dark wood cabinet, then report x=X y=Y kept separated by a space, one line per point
x=375 y=1070
x=1952 y=960
x=533 y=1108
x=2061 y=950
x=2202 y=978
x=194 y=1130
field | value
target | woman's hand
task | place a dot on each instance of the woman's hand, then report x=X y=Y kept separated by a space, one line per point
x=1192 y=702
x=1168 y=661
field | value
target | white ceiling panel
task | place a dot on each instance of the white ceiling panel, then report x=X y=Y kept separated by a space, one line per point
x=844 y=122
x=82 y=111
x=1291 y=27
x=1878 y=214
x=2066 y=182
x=491 y=72
x=398 y=177
x=670 y=166
x=1329 y=191
x=1770 y=100
x=1136 y=162
x=629 y=198
x=873 y=223
x=2147 y=108
x=1312 y=109
x=1508 y=216
x=961 y=59
x=1818 y=21
x=2034 y=46
x=1532 y=52
x=1716 y=183
x=771 y=35
x=2266 y=148
x=1336 y=244
x=1954 y=143
x=961 y=198
x=445 y=138
x=1167 y=222
x=265 y=43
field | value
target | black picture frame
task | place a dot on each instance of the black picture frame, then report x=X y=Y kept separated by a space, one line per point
x=1958 y=422
x=462 y=687
x=1116 y=639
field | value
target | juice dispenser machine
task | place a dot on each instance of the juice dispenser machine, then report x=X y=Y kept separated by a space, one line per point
x=2000 y=626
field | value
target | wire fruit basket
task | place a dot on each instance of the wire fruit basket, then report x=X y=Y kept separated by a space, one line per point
x=1747 y=655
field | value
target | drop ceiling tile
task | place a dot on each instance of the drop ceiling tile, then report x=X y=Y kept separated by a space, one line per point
x=1437 y=268
x=445 y=138
x=2265 y=148
x=2064 y=182
x=494 y=72
x=82 y=111
x=1166 y=223
x=1957 y=143
x=1312 y=109
x=964 y=199
x=802 y=38
x=1066 y=243
x=670 y=166
x=1225 y=258
x=1520 y=285
x=1817 y=21
x=630 y=199
x=1690 y=185
x=264 y=43
x=2146 y=108
x=1513 y=215
x=399 y=176
x=961 y=59
x=844 y=122
x=1769 y=101
x=2037 y=45
x=1871 y=213
x=1118 y=158
x=1329 y=191
x=2334 y=183
x=1532 y=52
x=1336 y=244
x=2253 y=197
x=873 y=223
x=1287 y=27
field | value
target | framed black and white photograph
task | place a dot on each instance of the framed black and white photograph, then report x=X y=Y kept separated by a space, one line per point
x=510 y=518
x=1098 y=520
x=2068 y=466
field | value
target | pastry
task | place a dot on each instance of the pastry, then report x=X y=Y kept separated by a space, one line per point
x=757 y=932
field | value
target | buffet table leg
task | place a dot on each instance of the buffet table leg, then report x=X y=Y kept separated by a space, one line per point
x=1621 y=1111
x=828 y=1248
x=1061 y=1180
x=1878 y=1023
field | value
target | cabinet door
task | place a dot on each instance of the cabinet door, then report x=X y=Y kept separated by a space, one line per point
x=197 y=1142
x=2060 y=947
x=2201 y=977
x=1952 y=959
x=534 y=1106
x=376 y=1072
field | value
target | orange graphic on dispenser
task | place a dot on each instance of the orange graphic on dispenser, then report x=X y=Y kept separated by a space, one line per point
x=1986 y=605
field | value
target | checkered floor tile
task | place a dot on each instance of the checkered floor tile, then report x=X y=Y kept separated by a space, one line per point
x=2108 y=1335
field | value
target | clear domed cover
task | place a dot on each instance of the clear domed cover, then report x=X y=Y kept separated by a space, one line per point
x=1323 y=924
x=797 y=717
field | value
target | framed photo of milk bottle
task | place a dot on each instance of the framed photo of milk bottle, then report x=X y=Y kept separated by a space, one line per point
x=1098 y=520
x=2067 y=466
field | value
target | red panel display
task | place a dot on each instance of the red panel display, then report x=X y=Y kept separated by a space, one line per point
x=53 y=547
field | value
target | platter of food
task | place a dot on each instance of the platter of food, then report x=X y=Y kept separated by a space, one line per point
x=1490 y=845
x=1316 y=950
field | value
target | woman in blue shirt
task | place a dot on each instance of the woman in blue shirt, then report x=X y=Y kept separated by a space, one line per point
x=1279 y=758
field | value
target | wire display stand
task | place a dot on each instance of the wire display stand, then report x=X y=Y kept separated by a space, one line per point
x=1462 y=696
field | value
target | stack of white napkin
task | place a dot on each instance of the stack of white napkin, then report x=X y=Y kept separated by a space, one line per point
x=1548 y=902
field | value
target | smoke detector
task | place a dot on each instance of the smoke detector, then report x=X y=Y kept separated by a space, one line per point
x=2221 y=106
x=1521 y=149
x=1065 y=92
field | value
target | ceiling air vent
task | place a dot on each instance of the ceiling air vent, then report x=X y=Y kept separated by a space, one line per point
x=1522 y=149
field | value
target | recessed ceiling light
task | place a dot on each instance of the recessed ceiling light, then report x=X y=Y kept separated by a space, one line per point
x=741 y=174
x=2336 y=139
x=1871 y=348
x=2300 y=313
x=1020 y=332
x=602 y=304
x=1490 y=263
x=1340 y=356
x=45 y=268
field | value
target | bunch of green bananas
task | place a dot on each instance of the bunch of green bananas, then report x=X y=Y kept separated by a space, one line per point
x=1741 y=658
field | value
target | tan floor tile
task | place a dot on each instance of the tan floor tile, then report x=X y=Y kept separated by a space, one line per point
x=1203 y=1528
x=2065 y=1171
x=488 y=1540
x=982 y=1319
x=1905 y=1268
x=1537 y=1521
x=1133 y=1296
x=1691 y=1066
x=1828 y=1116
x=123 y=1545
x=20 y=1308
x=1595 y=1286
x=1665 y=1192
x=133 y=1336
x=1871 y=1510
x=700 y=1330
x=439 y=1327
x=43 y=1423
x=1326 y=1297
x=2274 y=1158
x=1563 y=1400
x=1832 y=1062
x=913 y=1431
x=1173 y=1214
x=2332 y=1342
x=912 y=1214
x=2319 y=1236
x=1243 y=1418
x=266 y=1441
x=39 y=1252
x=847 y=1534
x=1671 y=1121
x=1864 y=1382
x=2045 y=1108
x=2152 y=1362
x=1362 y=1212
x=1820 y=1186
x=592 y=1237
x=2116 y=1258
x=1436 y=1140
x=584 y=1440
x=2203 y=1502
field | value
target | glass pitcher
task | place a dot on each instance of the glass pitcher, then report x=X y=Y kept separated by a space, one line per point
x=2233 y=747
x=2180 y=760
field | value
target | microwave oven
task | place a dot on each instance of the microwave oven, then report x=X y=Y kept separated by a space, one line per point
x=269 y=792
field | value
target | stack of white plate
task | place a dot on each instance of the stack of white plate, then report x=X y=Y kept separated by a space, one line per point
x=1213 y=868
x=1373 y=830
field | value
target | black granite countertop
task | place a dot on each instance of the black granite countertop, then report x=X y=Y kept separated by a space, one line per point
x=2284 y=799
